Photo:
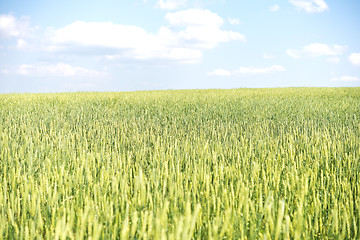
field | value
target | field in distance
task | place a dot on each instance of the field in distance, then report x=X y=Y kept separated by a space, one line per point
x=192 y=164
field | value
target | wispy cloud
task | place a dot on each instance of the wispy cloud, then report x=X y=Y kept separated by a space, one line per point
x=12 y=27
x=316 y=50
x=194 y=17
x=345 y=79
x=234 y=21
x=247 y=71
x=256 y=70
x=354 y=58
x=274 y=8
x=310 y=6
x=171 y=4
x=21 y=43
x=333 y=60
x=220 y=73
x=19 y=31
x=57 y=70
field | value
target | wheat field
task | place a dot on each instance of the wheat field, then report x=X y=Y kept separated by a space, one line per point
x=186 y=164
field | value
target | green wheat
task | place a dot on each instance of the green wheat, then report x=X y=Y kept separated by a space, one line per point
x=197 y=164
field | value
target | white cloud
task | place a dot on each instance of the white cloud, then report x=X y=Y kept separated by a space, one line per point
x=274 y=8
x=333 y=60
x=21 y=43
x=234 y=21
x=101 y=34
x=206 y=37
x=121 y=41
x=354 y=58
x=188 y=34
x=58 y=70
x=256 y=70
x=293 y=53
x=248 y=71
x=4 y=71
x=18 y=30
x=11 y=26
x=220 y=73
x=183 y=55
x=345 y=79
x=194 y=17
x=202 y=28
x=171 y=4
x=310 y=6
x=317 y=50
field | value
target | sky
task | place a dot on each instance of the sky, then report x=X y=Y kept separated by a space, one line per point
x=130 y=45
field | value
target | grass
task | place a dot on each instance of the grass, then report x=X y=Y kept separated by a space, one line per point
x=195 y=164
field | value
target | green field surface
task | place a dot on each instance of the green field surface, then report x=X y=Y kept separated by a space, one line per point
x=186 y=164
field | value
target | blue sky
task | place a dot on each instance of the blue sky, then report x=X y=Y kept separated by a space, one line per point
x=113 y=45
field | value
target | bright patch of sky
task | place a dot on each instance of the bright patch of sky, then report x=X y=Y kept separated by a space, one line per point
x=112 y=45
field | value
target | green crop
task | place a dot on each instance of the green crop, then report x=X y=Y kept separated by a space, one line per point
x=196 y=164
